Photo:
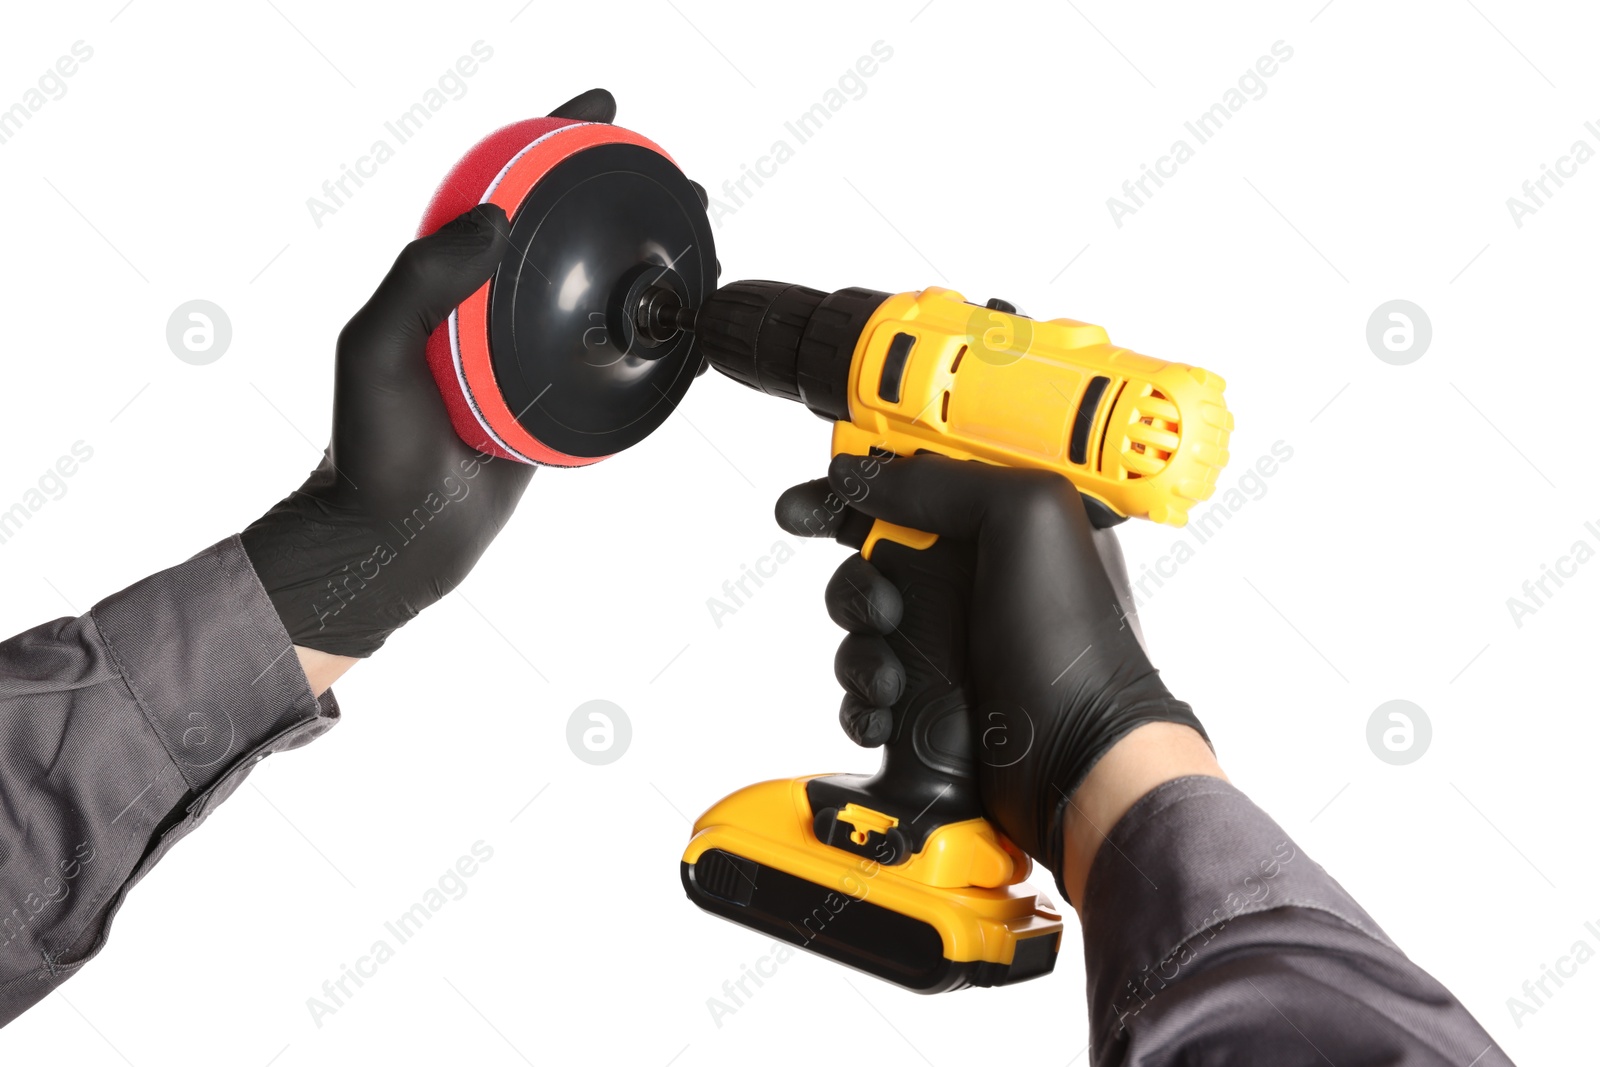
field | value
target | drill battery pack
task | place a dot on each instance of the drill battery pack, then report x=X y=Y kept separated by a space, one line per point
x=755 y=858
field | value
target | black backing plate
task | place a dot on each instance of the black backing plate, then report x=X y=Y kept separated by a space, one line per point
x=585 y=224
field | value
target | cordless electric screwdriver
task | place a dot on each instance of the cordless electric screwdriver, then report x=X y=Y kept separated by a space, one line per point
x=590 y=332
x=898 y=873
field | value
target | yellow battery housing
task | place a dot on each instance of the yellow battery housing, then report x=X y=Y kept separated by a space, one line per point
x=754 y=859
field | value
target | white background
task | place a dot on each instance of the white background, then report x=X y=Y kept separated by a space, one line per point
x=1376 y=566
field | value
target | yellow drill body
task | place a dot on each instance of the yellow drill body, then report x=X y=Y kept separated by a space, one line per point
x=1143 y=437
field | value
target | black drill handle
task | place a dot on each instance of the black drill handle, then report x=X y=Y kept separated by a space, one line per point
x=927 y=778
x=928 y=759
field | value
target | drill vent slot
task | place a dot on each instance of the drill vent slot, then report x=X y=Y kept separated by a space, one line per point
x=1083 y=422
x=894 y=367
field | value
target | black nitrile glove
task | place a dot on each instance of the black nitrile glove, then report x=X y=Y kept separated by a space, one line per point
x=399 y=509
x=1056 y=670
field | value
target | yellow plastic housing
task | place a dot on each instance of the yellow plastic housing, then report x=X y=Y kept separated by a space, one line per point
x=1005 y=389
x=771 y=823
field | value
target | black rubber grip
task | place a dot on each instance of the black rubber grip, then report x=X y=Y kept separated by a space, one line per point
x=926 y=779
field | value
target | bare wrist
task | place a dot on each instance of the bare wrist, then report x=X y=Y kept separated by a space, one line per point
x=1144 y=758
x=322 y=668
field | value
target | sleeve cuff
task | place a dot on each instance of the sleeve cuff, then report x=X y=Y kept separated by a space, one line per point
x=211 y=666
x=1192 y=856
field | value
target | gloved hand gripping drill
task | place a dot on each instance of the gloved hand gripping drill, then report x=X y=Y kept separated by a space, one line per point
x=1055 y=668
x=973 y=657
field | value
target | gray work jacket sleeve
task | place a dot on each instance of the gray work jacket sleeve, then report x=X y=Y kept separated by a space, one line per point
x=1211 y=937
x=119 y=732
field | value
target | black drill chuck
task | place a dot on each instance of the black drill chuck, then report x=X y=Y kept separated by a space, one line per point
x=787 y=340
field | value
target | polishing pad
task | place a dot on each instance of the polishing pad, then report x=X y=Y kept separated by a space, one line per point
x=547 y=363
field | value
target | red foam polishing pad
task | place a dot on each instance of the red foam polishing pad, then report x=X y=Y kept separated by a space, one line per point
x=498 y=354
